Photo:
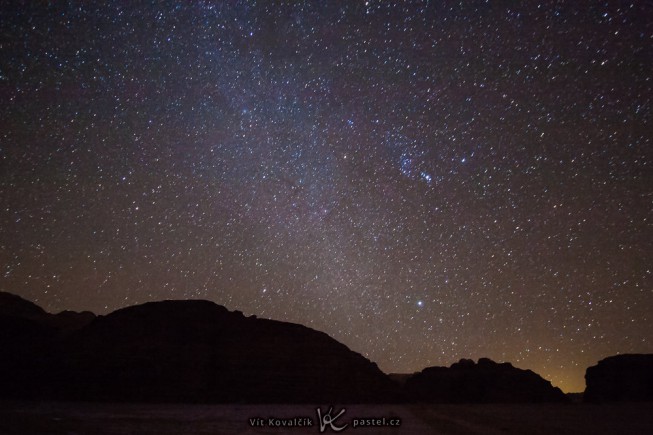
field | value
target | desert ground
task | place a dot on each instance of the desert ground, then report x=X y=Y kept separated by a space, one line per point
x=101 y=418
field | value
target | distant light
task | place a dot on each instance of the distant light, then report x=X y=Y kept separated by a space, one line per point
x=420 y=303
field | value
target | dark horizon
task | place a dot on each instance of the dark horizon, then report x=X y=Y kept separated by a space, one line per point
x=424 y=182
x=180 y=351
x=30 y=314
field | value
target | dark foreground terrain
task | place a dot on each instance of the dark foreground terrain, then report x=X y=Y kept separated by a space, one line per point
x=416 y=419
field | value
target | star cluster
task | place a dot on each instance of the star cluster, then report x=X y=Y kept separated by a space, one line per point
x=424 y=181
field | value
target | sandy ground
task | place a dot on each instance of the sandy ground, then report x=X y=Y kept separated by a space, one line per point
x=85 y=418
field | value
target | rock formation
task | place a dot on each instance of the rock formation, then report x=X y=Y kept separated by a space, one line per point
x=179 y=351
x=620 y=378
x=485 y=382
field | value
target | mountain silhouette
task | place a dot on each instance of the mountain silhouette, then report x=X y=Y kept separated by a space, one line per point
x=198 y=351
x=178 y=351
x=620 y=378
x=485 y=382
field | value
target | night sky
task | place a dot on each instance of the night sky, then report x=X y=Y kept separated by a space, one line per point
x=423 y=181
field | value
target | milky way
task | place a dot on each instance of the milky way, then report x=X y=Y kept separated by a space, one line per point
x=423 y=181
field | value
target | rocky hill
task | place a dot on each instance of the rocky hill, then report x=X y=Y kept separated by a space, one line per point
x=485 y=382
x=178 y=351
x=620 y=378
